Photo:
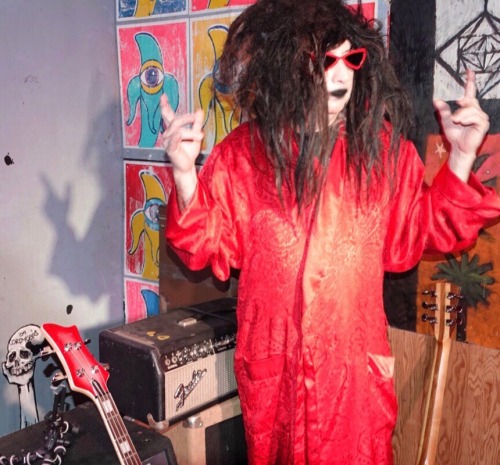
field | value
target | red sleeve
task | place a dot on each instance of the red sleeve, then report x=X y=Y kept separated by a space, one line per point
x=204 y=234
x=445 y=217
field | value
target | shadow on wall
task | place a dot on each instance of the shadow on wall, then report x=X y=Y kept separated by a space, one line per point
x=92 y=266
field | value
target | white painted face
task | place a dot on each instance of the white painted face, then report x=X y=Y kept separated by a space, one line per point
x=339 y=81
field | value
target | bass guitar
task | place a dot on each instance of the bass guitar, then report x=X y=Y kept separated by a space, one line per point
x=87 y=376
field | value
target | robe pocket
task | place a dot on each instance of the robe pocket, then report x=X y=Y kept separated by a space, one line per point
x=266 y=368
x=383 y=400
x=259 y=395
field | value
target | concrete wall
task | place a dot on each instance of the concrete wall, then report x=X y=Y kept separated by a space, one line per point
x=61 y=218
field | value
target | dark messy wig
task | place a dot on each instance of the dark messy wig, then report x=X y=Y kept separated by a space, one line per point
x=273 y=76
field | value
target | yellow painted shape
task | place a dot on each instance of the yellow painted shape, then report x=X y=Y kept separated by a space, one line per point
x=144 y=8
x=218 y=3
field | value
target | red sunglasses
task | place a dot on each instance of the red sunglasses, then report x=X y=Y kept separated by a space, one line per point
x=353 y=59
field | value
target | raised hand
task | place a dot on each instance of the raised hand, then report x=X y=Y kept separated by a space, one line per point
x=464 y=129
x=182 y=136
x=182 y=142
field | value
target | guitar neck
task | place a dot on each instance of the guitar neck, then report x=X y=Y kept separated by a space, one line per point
x=117 y=431
x=443 y=326
x=434 y=405
x=86 y=376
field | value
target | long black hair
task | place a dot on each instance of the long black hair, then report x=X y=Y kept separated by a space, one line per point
x=271 y=64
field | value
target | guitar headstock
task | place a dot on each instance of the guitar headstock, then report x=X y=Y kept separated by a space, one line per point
x=445 y=310
x=84 y=373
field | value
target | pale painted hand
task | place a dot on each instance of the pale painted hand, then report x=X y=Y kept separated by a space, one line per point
x=182 y=140
x=464 y=129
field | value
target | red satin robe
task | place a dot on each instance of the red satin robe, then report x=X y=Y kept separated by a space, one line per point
x=313 y=363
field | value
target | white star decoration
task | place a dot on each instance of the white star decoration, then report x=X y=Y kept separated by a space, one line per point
x=440 y=150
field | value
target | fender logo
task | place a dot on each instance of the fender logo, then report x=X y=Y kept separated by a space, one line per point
x=182 y=392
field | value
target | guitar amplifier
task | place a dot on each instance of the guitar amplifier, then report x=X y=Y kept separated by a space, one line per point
x=172 y=365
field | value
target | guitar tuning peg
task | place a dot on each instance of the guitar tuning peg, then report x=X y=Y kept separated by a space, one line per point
x=452 y=295
x=96 y=368
x=454 y=308
x=87 y=341
x=431 y=319
x=45 y=352
x=454 y=321
x=429 y=306
x=432 y=293
x=105 y=366
x=58 y=377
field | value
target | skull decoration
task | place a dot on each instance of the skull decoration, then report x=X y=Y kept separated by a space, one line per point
x=19 y=364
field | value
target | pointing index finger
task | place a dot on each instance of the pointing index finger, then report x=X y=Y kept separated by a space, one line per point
x=166 y=110
x=470 y=84
x=198 y=120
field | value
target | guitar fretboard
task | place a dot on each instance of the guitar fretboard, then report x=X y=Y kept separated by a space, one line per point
x=116 y=427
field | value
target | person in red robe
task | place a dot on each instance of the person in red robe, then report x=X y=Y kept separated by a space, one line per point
x=312 y=199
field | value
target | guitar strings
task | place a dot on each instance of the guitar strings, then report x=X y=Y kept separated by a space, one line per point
x=117 y=424
x=114 y=420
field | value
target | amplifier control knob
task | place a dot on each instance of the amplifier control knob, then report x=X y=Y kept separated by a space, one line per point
x=194 y=352
x=185 y=355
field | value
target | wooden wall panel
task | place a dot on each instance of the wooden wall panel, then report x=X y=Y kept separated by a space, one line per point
x=413 y=353
x=470 y=427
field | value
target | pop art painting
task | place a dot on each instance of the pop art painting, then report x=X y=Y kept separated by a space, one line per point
x=147 y=187
x=141 y=300
x=367 y=7
x=128 y=9
x=152 y=61
x=200 y=5
x=208 y=36
x=374 y=9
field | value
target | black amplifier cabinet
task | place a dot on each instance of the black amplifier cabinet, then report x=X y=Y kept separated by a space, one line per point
x=172 y=365
x=87 y=441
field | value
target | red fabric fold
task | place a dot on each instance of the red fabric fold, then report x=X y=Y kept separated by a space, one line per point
x=310 y=308
x=445 y=217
